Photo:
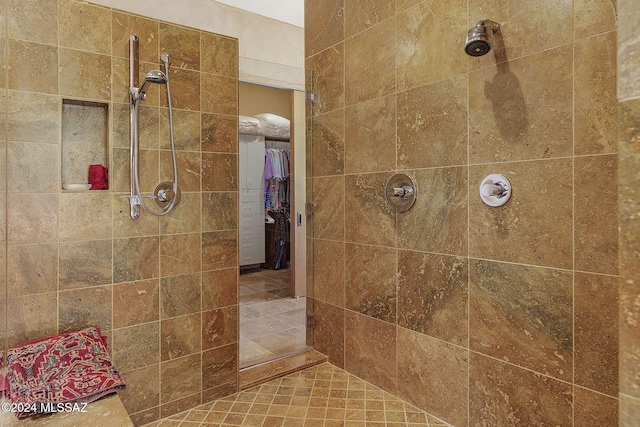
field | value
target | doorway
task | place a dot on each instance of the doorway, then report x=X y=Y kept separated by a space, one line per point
x=272 y=292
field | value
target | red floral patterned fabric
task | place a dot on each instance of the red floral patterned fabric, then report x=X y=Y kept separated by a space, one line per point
x=67 y=368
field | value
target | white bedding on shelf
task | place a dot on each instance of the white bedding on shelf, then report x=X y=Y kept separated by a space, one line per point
x=249 y=125
x=266 y=124
x=274 y=126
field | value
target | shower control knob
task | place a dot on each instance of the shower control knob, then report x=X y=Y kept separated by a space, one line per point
x=498 y=189
x=495 y=190
x=403 y=192
x=400 y=192
x=166 y=195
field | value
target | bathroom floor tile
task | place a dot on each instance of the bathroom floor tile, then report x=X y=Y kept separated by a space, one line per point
x=322 y=395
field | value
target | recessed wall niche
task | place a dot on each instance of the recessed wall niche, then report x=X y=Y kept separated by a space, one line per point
x=85 y=130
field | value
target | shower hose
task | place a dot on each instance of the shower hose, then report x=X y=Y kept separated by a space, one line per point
x=134 y=154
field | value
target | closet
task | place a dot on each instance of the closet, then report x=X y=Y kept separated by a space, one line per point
x=265 y=177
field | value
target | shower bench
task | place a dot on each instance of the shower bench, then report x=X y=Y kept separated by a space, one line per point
x=106 y=412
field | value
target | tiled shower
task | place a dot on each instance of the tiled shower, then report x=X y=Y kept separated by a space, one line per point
x=486 y=312
x=479 y=315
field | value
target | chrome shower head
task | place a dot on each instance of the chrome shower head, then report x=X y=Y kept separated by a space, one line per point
x=153 y=76
x=480 y=37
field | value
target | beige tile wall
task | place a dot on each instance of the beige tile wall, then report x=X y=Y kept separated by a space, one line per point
x=629 y=210
x=479 y=315
x=162 y=289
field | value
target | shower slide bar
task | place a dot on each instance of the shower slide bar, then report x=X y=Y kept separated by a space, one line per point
x=166 y=194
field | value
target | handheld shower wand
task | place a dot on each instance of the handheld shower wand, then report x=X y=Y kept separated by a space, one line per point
x=153 y=76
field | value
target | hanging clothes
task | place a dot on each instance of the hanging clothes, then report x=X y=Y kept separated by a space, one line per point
x=277 y=253
x=277 y=178
x=277 y=190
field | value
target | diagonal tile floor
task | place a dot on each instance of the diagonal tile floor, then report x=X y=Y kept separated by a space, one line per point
x=320 y=396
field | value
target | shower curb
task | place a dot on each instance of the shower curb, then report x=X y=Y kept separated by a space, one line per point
x=262 y=373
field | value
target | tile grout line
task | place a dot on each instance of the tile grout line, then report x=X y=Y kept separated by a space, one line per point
x=316 y=379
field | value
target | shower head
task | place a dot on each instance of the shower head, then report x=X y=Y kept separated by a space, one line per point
x=480 y=37
x=153 y=76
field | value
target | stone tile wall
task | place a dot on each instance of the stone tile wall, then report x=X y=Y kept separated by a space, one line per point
x=164 y=290
x=479 y=315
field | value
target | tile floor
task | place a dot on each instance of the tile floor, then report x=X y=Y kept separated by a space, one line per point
x=272 y=323
x=320 y=396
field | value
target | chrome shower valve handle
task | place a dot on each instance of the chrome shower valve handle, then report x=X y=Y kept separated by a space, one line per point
x=403 y=192
x=165 y=195
x=400 y=192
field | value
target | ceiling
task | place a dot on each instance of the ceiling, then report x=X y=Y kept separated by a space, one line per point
x=290 y=11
